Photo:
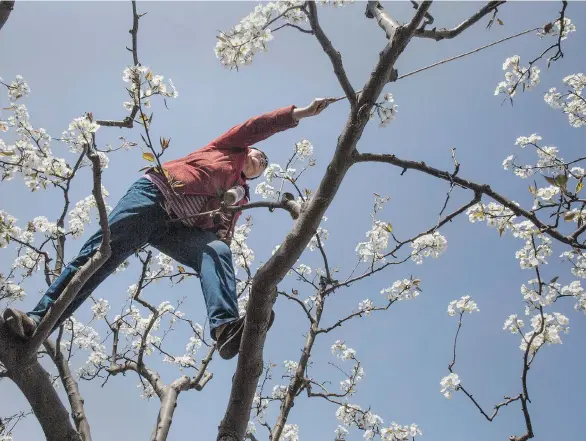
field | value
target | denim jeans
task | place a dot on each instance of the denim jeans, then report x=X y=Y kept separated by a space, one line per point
x=140 y=219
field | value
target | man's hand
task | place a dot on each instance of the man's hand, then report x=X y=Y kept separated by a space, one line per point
x=315 y=108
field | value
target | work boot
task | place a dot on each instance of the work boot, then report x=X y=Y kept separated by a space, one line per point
x=19 y=323
x=230 y=335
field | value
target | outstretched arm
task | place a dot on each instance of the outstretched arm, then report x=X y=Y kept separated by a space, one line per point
x=315 y=108
x=261 y=127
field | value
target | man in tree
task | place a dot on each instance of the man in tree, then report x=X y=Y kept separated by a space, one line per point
x=195 y=184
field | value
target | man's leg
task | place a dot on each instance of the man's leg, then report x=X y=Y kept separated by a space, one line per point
x=212 y=259
x=132 y=223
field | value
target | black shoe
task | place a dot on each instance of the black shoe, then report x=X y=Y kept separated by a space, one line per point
x=19 y=323
x=229 y=341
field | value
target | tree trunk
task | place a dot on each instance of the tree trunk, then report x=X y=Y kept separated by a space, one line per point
x=6 y=7
x=34 y=383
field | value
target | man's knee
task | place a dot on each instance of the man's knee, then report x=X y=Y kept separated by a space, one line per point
x=219 y=249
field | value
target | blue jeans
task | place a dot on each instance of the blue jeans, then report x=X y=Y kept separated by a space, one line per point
x=140 y=219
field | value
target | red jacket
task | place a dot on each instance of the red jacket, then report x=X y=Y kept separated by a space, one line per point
x=217 y=167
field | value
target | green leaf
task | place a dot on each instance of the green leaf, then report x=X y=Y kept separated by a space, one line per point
x=389 y=227
x=579 y=186
x=555 y=279
x=180 y=268
x=6 y=153
x=148 y=156
x=568 y=217
x=561 y=181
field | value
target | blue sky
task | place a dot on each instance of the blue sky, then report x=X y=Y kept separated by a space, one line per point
x=73 y=55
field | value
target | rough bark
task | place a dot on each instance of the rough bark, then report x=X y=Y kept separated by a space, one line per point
x=34 y=383
x=6 y=7
x=165 y=418
x=250 y=362
x=72 y=389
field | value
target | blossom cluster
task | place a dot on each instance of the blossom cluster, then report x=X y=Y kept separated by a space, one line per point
x=571 y=103
x=405 y=289
x=526 y=77
x=464 y=304
x=30 y=154
x=238 y=46
x=428 y=245
x=144 y=84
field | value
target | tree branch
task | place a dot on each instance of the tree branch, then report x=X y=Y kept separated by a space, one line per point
x=334 y=55
x=72 y=389
x=481 y=188
x=442 y=34
x=287 y=203
x=85 y=272
x=6 y=7
x=34 y=382
x=387 y=23
x=263 y=292
x=128 y=122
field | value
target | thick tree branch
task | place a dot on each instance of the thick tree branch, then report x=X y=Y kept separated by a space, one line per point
x=387 y=23
x=34 y=382
x=71 y=388
x=332 y=53
x=151 y=376
x=263 y=292
x=6 y=7
x=287 y=203
x=442 y=34
x=481 y=188
x=85 y=272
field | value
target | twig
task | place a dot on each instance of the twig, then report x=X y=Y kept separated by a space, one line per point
x=451 y=33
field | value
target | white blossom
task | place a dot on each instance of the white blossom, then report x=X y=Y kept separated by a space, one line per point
x=265 y=190
x=290 y=432
x=10 y=290
x=303 y=269
x=449 y=383
x=405 y=289
x=80 y=215
x=279 y=392
x=547 y=193
x=465 y=304
x=238 y=46
x=343 y=352
x=378 y=240
x=341 y=433
x=517 y=77
x=397 y=432
x=571 y=103
x=18 y=88
x=429 y=245
x=323 y=236
x=290 y=367
x=242 y=254
x=513 y=324
x=304 y=149
x=100 y=309
x=272 y=171
x=147 y=390
x=544 y=331
x=366 y=306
